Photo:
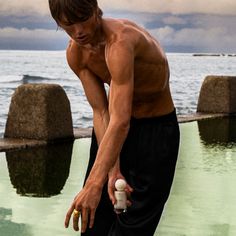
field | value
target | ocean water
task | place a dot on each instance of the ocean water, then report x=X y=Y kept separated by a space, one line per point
x=187 y=75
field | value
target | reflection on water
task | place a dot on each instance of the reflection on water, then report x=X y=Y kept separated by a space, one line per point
x=218 y=140
x=221 y=131
x=9 y=228
x=201 y=203
x=40 y=172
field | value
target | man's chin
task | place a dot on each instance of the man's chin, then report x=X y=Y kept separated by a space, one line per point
x=82 y=41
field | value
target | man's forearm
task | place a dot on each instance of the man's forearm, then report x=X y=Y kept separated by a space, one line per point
x=108 y=152
x=100 y=123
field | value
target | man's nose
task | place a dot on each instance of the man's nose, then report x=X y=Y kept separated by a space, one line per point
x=78 y=29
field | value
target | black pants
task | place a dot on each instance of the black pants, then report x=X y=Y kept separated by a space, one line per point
x=147 y=161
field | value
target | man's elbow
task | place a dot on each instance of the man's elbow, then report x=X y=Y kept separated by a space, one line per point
x=124 y=125
x=121 y=124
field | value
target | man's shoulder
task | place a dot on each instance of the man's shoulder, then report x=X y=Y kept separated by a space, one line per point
x=122 y=33
x=128 y=36
x=72 y=49
x=119 y=28
x=74 y=55
x=119 y=22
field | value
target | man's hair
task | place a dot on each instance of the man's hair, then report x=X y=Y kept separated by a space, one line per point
x=73 y=11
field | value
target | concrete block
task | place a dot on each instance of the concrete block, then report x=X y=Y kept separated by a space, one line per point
x=218 y=95
x=39 y=111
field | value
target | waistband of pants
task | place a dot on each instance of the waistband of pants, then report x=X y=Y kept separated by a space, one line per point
x=172 y=117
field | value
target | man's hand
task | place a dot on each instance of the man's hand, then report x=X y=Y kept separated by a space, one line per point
x=115 y=174
x=85 y=204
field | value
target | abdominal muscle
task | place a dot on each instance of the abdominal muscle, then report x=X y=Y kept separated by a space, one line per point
x=152 y=95
x=152 y=105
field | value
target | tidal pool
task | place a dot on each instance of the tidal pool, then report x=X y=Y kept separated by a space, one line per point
x=38 y=185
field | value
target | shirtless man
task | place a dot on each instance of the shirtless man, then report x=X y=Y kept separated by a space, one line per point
x=136 y=135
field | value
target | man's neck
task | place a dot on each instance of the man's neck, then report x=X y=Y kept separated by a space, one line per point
x=99 y=39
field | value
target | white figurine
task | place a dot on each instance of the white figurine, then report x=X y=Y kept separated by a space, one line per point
x=120 y=195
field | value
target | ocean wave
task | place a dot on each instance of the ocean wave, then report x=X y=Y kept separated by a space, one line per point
x=4 y=79
x=66 y=83
x=33 y=78
x=87 y=118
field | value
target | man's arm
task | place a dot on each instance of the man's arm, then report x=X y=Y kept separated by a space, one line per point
x=94 y=91
x=97 y=98
x=120 y=61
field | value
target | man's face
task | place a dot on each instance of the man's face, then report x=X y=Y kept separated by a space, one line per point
x=81 y=32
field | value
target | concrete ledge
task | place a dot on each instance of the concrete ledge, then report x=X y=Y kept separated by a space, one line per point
x=201 y=116
x=12 y=144
x=9 y=144
x=82 y=132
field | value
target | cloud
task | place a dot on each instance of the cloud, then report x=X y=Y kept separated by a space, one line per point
x=25 y=33
x=165 y=35
x=222 y=7
x=174 y=20
x=182 y=25
x=12 y=38
x=29 y=22
x=24 y=7
x=198 y=39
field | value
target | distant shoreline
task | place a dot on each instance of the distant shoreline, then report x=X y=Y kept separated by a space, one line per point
x=213 y=55
x=167 y=52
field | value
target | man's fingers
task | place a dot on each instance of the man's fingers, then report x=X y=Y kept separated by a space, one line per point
x=76 y=216
x=129 y=203
x=84 y=220
x=68 y=216
x=129 y=191
x=111 y=195
x=92 y=217
x=129 y=188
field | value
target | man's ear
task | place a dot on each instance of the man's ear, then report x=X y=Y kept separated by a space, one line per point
x=99 y=12
x=98 y=15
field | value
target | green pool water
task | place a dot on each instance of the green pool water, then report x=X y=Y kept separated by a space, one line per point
x=37 y=185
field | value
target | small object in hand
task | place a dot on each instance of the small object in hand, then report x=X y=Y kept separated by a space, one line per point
x=121 y=197
x=76 y=213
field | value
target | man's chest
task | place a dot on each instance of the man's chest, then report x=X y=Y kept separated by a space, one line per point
x=96 y=63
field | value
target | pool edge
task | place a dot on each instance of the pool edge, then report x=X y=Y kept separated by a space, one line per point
x=7 y=144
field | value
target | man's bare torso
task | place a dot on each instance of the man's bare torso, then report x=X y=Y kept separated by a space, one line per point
x=151 y=94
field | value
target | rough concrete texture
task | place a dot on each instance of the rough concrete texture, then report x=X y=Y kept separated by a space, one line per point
x=39 y=111
x=217 y=95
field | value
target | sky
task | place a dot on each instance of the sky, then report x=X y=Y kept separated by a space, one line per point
x=204 y=26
